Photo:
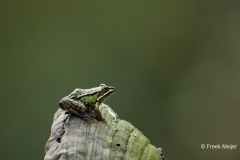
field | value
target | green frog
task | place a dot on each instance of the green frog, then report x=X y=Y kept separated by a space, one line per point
x=85 y=102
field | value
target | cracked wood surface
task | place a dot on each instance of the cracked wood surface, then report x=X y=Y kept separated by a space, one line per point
x=73 y=138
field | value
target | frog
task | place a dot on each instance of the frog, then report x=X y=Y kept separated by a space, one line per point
x=85 y=103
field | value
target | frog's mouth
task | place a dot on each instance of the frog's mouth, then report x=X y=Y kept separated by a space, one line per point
x=106 y=94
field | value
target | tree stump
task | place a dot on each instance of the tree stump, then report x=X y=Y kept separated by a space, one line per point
x=74 y=138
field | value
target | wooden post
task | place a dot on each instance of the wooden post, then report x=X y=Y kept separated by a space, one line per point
x=73 y=138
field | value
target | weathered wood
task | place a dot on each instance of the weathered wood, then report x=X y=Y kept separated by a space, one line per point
x=74 y=138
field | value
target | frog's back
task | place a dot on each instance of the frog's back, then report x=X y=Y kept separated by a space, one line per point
x=76 y=92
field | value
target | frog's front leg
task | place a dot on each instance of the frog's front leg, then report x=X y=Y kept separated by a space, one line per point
x=74 y=107
x=97 y=114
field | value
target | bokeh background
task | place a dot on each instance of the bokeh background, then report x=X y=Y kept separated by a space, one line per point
x=175 y=65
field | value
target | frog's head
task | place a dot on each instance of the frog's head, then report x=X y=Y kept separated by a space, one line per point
x=98 y=95
x=105 y=93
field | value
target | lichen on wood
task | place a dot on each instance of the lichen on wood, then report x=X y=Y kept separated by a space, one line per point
x=74 y=138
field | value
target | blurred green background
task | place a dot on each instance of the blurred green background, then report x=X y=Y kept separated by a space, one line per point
x=175 y=65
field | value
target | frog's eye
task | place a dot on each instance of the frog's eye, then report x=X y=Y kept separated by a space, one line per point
x=103 y=85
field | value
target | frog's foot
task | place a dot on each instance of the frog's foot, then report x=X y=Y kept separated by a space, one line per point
x=97 y=114
x=82 y=115
x=89 y=118
x=100 y=118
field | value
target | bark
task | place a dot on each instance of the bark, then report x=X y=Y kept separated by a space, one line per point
x=74 y=138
